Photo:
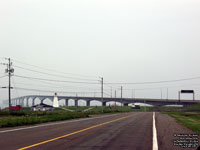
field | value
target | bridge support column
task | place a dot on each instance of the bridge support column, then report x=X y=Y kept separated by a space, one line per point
x=33 y=101
x=27 y=102
x=88 y=103
x=104 y=104
x=66 y=102
x=125 y=104
x=76 y=103
x=22 y=102
x=42 y=101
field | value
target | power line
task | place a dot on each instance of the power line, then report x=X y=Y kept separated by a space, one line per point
x=55 y=80
x=2 y=58
x=57 y=85
x=3 y=76
x=52 y=74
x=68 y=87
x=164 y=87
x=106 y=93
x=156 y=82
x=54 y=70
x=38 y=90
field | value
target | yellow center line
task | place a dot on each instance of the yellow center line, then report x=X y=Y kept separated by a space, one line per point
x=98 y=125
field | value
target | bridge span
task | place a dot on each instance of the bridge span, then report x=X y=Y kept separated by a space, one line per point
x=26 y=100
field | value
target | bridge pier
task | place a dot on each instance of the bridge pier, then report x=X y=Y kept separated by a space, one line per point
x=103 y=103
x=22 y=102
x=76 y=102
x=27 y=102
x=125 y=104
x=33 y=101
x=66 y=102
x=87 y=103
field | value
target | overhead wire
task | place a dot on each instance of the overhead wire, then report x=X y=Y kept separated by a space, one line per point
x=52 y=74
x=51 y=80
x=61 y=86
x=153 y=82
x=163 y=87
x=106 y=93
x=40 y=90
x=87 y=76
x=3 y=76
x=15 y=86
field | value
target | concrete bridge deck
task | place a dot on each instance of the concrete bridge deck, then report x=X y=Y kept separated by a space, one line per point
x=124 y=101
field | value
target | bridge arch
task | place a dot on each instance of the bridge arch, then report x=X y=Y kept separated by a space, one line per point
x=110 y=103
x=37 y=101
x=95 y=103
x=71 y=102
x=82 y=102
x=62 y=102
x=47 y=101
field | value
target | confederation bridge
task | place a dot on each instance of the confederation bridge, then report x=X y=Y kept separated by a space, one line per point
x=30 y=99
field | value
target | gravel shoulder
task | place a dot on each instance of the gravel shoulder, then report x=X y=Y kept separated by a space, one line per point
x=167 y=127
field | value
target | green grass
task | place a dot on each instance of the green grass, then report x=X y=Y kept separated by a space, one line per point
x=189 y=119
x=76 y=109
x=37 y=117
x=192 y=108
x=98 y=109
x=189 y=108
x=27 y=117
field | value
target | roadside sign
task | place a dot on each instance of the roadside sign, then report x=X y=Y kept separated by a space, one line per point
x=187 y=91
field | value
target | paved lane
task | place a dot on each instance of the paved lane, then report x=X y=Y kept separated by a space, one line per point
x=125 y=131
x=121 y=134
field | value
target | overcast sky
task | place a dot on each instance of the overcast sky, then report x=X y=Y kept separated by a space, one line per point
x=120 y=40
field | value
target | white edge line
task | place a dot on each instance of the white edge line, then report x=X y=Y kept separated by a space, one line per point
x=155 y=141
x=50 y=124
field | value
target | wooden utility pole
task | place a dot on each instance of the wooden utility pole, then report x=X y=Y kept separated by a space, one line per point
x=179 y=95
x=133 y=93
x=9 y=85
x=9 y=70
x=115 y=98
x=111 y=91
x=121 y=95
x=167 y=93
x=102 y=93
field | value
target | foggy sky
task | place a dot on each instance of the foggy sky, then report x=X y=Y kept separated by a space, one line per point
x=120 y=40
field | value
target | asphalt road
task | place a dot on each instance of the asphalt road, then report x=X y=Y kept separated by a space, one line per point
x=127 y=131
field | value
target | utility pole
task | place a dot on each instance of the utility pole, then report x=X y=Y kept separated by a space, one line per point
x=9 y=70
x=111 y=91
x=133 y=93
x=102 y=93
x=121 y=95
x=115 y=98
x=9 y=93
x=167 y=93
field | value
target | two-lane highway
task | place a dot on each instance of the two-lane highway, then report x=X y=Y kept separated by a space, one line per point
x=119 y=131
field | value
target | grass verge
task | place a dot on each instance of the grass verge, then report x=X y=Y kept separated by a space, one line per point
x=27 y=117
x=189 y=119
x=12 y=120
